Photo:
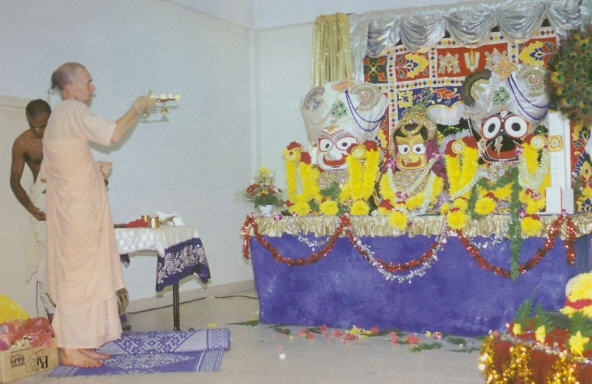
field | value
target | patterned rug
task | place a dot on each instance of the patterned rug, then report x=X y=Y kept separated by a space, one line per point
x=159 y=352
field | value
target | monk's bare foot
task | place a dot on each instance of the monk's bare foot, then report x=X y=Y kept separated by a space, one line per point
x=95 y=355
x=77 y=358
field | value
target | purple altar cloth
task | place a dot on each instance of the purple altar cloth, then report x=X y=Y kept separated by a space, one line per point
x=455 y=296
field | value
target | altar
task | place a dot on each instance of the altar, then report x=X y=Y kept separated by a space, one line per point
x=359 y=271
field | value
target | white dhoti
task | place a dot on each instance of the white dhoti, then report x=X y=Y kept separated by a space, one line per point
x=35 y=255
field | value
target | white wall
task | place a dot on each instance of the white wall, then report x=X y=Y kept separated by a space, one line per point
x=192 y=164
x=240 y=92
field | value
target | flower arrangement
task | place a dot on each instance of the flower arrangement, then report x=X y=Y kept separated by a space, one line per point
x=549 y=348
x=262 y=191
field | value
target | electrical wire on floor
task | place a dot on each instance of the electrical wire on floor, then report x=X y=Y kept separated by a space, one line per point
x=193 y=300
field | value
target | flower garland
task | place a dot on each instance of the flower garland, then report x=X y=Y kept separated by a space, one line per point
x=462 y=165
x=554 y=231
x=534 y=177
x=509 y=181
x=363 y=162
x=298 y=163
x=402 y=204
x=565 y=368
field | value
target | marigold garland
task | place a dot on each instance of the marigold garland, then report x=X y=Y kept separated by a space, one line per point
x=363 y=162
x=297 y=164
x=461 y=163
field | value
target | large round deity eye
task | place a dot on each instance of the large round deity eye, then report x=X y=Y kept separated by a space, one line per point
x=325 y=145
x=403 y=149
x=344 y=143
x=419 y=149
x=516 y=126
x=491 y=127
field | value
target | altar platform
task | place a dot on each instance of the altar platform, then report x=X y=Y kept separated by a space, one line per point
x=346 y=271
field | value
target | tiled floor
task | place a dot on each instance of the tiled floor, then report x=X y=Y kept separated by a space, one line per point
x=259 y=354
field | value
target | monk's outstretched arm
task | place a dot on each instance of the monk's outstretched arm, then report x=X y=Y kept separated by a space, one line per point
x=125 y=122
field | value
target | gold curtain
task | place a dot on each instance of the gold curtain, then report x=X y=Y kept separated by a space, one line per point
x=332 y=58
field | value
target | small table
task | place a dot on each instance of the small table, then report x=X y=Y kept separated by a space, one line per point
x=179 y=251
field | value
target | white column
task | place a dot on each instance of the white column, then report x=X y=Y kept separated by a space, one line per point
x=559 y=196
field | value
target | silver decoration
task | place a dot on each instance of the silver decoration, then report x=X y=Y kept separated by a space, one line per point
x=469 y=23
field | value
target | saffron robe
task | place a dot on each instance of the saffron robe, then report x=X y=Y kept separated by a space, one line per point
x=83 y=269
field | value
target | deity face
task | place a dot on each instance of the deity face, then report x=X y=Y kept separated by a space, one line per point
x=411 y=152
x=333 y=143
x=501 y=135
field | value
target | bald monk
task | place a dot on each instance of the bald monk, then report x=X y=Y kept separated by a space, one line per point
x=83 y=267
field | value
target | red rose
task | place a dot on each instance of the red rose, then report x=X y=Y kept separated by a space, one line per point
x=305 y=158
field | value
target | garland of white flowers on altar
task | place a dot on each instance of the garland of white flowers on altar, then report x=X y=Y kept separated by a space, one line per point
x=363 y=163
x=298 y=166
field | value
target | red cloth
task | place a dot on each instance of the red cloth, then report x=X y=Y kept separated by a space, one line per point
x=139 y=223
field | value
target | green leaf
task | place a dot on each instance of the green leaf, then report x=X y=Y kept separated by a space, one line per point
x=580 y=322
x=456 y=340
x=251 y=323
x=524 y=313
x=332 y=191
x=542 y=318
x=425 y=346
x=282 y=330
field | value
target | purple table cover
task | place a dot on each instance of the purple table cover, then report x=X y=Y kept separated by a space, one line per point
x=181 y=260
x=455 y=295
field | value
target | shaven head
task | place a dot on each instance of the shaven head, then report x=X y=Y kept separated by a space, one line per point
x=37 y=107
x=64 y=75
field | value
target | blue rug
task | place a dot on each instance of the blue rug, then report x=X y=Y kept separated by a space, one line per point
x=159 y=352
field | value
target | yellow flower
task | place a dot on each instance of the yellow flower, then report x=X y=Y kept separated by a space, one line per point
x=398 y=220
x=580 y=288
x=264 y=172
x=531 y=226
x=457 y=219
x=360 y=208
x=460 y=203
x=540 y=333
x=577 y=343
x=383 y=211
x=415 y=201
x=301 y=208
x=517 y=329
x=485 y=205
x=329 y=207
x=292 y=155
x=444 y=208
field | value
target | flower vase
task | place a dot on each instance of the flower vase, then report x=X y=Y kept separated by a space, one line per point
x=265 y=210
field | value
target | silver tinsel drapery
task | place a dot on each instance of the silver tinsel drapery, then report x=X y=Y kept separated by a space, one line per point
x=470 y=23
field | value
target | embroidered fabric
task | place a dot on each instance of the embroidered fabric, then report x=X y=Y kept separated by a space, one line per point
x=469 y=23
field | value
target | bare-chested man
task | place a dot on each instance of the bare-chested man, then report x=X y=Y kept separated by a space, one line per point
x=27 y=149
